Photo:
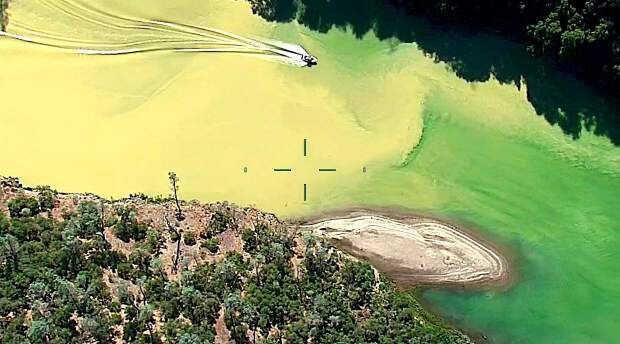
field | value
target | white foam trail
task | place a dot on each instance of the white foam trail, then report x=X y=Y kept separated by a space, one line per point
x=160 y=36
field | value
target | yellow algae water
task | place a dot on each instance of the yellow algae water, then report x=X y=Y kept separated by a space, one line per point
x=222 y=122
x=463 y=126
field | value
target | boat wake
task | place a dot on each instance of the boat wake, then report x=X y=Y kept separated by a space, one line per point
x=114 y=34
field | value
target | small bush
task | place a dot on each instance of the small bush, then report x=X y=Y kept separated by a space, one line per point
x=159 y=199
x=220 y=222
x=154 y=241
x=127 y=227
x=116 y=319
x=125 y=270
x=189 y=238
x=213 y=245
x=114 y=306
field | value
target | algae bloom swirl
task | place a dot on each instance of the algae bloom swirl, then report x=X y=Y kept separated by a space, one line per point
x=114 y=34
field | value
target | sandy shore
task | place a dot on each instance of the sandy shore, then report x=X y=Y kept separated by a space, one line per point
x=415 y=250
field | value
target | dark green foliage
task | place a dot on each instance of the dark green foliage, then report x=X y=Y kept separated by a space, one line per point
x=23 y=206
x=86 y=222
x=220 y=221
x=46 y=197
x=213 y=244
x=444 y=32
x=140 y=258
x=154 y=241
x=4 y=223
x=584 y=33
x=276 y=10
x=127 y=227
x=30 y=228
x=159 y=199
x=183 y=334
x=44 y=268
x=55 y=272
x=189 y=238
x=325 y=298
x=360 y=278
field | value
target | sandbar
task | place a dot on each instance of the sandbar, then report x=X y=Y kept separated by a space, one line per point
x=415 y=250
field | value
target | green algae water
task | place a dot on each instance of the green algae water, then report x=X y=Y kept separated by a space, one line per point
x=460 y=125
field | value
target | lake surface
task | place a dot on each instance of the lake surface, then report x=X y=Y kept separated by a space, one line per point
x=457 y=124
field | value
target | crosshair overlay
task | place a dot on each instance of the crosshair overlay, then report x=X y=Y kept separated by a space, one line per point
x=305 y=186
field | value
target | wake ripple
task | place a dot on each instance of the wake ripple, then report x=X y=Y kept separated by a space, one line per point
x=135 y=35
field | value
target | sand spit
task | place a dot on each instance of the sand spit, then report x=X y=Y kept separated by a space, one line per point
x=416 y=250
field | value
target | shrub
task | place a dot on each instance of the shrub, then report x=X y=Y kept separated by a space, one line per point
x=174 y=236
x=189 y=238
x=154 y=241
x=213 y=244
x=125 y=270
x=219 y=223
x=127 y=227
x=23 y=206
x=46 y=197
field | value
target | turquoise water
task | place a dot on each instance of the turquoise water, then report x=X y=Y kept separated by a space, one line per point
x=531 y=162
x=560 y=220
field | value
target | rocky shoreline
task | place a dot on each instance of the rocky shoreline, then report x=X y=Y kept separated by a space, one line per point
x=243 y=236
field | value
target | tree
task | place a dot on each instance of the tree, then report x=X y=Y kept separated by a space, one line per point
x=360 y=281
x=156 y=267
x=188 y=338
x=189 y=238
x=23 y=206
x=87 y=220
x=233 y=317
x=174 y=187
x=4 y=224
x=39 y=331
x=55 y=283
x=97 y=328
x=154 y=241
x=177 y=236
x=146 y=320
x=213 y=244
x=582 y=34
x=127 y=227
x=9 y=252
x=220 y=221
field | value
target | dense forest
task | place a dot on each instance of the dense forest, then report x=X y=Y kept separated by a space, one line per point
x=78 y=269
x=584 y=34
x=581 y=34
